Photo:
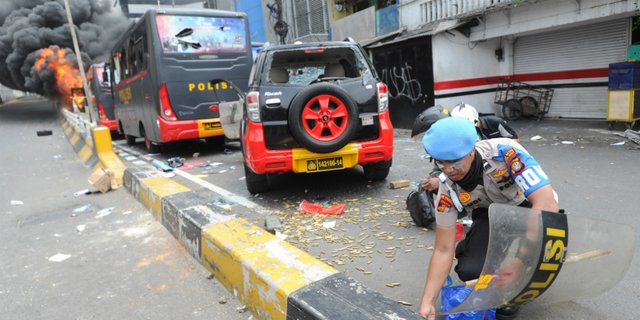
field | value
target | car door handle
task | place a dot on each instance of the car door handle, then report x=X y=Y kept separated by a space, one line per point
x=272 y=102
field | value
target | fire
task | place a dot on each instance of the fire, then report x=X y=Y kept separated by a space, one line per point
x=67 y=74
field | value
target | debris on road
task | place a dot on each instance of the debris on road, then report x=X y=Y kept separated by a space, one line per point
x=405 y=303
x=42 y=133
x=81 y=192
x=329 y=224
x=621 y=143
x=222 y=300
x=81 y=209
x=161 y=165
x=631 y=135
x=103 y=179
x=190 y=165
x=58 y=157
x=227 y=151
x=80 y=227
x=16 y=203
x=104 y=212
x=536 y=138
x=567 y=142
x=399 y=184
x=272 y=223
x=139 y=163
x=242 y=309
x=59 y=257
x=196 y=154
x=281 y=235
x=175 y=162
x=392 y=284
x=317 y=208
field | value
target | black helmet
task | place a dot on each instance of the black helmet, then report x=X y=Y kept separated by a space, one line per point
x=428 y=117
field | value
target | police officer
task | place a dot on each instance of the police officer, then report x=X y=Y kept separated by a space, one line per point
x=474 y=175
x=487 y=127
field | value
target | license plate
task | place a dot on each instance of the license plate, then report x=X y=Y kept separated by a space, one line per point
x=316 y=165
x=212 y=125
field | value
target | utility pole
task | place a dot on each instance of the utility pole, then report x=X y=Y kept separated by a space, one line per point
x=80 y=64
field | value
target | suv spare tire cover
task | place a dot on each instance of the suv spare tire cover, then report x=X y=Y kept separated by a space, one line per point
x=330 y=117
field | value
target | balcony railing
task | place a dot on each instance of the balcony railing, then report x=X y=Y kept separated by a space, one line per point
x=437 y=10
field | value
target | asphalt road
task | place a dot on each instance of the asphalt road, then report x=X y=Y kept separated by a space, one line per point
x=375 y=241
x=118 y=264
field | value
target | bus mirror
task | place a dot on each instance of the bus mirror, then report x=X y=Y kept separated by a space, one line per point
x=184 y=33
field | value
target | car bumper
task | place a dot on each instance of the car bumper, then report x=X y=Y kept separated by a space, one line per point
x=262 y=160
x=188 y=129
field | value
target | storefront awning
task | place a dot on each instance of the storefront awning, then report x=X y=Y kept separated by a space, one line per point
x=424 y=30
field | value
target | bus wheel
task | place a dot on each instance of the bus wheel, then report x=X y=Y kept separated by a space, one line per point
x=131 y=140
x=151 y=148
x=256 y=183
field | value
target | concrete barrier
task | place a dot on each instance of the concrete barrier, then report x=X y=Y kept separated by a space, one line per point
x=274 y=279
x=92 y=144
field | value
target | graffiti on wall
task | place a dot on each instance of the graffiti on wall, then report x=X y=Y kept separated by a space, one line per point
x=402 y=84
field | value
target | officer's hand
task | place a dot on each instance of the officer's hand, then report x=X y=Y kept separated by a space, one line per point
x=431 y=184
x=427 y=311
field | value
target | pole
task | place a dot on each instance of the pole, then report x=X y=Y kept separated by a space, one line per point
x=80 y=64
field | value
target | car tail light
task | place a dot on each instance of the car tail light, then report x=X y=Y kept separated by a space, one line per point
x=103 y=115
x=383 y=97
x=253 y=106
x=165 y=103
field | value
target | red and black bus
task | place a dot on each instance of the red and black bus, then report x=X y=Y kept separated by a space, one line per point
x=161 y=69
x=100 y=95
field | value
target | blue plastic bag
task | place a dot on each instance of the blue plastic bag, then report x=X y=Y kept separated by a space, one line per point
x=454 y=295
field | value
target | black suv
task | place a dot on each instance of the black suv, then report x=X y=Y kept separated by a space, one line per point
x=314 y=107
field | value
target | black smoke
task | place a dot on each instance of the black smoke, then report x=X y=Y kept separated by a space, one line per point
x=26 y=26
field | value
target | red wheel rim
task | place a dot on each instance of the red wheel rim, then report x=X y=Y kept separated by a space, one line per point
x=325 y=117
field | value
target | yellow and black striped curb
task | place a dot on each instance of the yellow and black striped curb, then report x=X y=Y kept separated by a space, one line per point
x=273 y=278
x=94 y=148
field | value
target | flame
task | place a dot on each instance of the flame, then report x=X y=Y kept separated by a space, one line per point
x=67 y=74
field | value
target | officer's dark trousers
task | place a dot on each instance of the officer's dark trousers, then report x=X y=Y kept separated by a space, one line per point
x=472 y=250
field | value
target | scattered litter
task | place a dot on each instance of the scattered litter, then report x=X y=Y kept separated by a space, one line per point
x=315 y=207
x=631 y=135
x=201 y=176
x=131 y=158
x=81 y=227
x=242 y=178
x=127 y=212
x=82 y=192
x=175 y=162
x=58 y=157
x=139 y=163
x=329 y=224
x=222 y=171
x=104 y=212
x=168 y=174
x=161 y=165
x=567 y=142
x=222 y=300
x=227 y=151
x=57 y=235
x=103 y=179
x=16 y=203
x=59 y=257
x=42 y=133
x=215 y=164
x=232 y=167
x=536 y=138
x=210 y=276
x=621 y=143
x=196 y=154
x=405 y=303
x=392 y=284
x=81 y=209
x=281 y=235
x=272 y=223
x=242 y=309
x=399 y=184
x=190 y=165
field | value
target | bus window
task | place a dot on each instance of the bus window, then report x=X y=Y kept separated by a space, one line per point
x=210 y=34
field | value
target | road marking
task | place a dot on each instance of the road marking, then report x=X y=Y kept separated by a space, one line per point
x=228 y=195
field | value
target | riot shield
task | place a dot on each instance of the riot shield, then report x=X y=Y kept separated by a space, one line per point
x=545 y=257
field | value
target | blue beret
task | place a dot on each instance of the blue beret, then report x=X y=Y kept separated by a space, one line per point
x=450 y=139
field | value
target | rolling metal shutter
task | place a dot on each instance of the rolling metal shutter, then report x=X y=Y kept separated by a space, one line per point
x=586 y=47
